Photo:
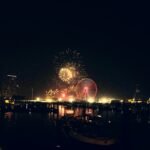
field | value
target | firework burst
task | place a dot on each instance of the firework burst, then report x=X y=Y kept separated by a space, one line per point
x=69 y=67
x=68 y=73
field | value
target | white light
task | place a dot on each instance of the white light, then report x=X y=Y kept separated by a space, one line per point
x=121 y=101
x=99 y=116
x=109 y=121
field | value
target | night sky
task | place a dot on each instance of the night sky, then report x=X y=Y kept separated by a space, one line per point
x=113 y=39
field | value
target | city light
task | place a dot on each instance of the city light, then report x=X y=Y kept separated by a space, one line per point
x=13 y=103
x=121 y=101
x=69 y=111
x=148 y=101
x=49 y=100
x=105 y=100
x=38 y=98
x=99 y=116
x=131 y=101
x=60 y=99
x=7 y=101
x=139 y=101
x=109 y=121
x=91 y=100
x=71 y=100
x=63 y=95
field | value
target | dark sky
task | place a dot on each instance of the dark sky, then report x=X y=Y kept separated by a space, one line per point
x=112 y=37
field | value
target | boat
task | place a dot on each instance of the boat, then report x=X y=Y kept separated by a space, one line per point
x=75 y=134
x=103 y=141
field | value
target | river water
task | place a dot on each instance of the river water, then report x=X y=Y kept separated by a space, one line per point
x=34 y=130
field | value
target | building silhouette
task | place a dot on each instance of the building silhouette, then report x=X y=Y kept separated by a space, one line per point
x=9 y=86
x=137 y=94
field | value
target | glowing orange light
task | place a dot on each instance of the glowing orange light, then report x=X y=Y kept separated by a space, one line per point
x=60 y=99
x=63 y=95
x=69 y=111
x=71 y=99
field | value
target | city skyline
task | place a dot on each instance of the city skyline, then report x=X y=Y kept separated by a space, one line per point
x=74 y=75
x=114 y=46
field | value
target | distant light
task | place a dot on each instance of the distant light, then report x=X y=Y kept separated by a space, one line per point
x=7 y=101
x=109 y=121
x=105 y=100
x=148 y=101
x=60 y=99
x=69 y=111
x=90 y=120
x=121 y=101
x=49 y=100
x=71 y=100
x=99 y=116
x=38 y=98
x=13 y=76
x=91 y=100
x=63 y=95
x=89 y=112
x=131 y=101
x=58 y=146
x=13 y=103
x=139 y=101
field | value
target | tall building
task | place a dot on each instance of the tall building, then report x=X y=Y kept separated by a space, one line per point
x=9 y=87
x=137 y=95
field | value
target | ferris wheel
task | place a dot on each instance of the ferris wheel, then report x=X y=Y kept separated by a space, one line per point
x=86 y=88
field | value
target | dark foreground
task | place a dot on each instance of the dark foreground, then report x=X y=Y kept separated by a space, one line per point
x=33 y=130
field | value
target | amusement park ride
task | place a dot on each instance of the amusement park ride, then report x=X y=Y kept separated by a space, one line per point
x=85 y=89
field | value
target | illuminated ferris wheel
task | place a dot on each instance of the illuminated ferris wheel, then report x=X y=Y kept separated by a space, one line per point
x=85 y=89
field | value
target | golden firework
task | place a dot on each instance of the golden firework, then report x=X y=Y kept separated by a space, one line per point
x=67 y=73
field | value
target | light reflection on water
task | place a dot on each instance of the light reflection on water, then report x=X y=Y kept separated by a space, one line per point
x=84 y=112
x=44 y=129
x=8 y=115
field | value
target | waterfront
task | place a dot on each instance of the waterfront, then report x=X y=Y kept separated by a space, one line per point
x=45 y=130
